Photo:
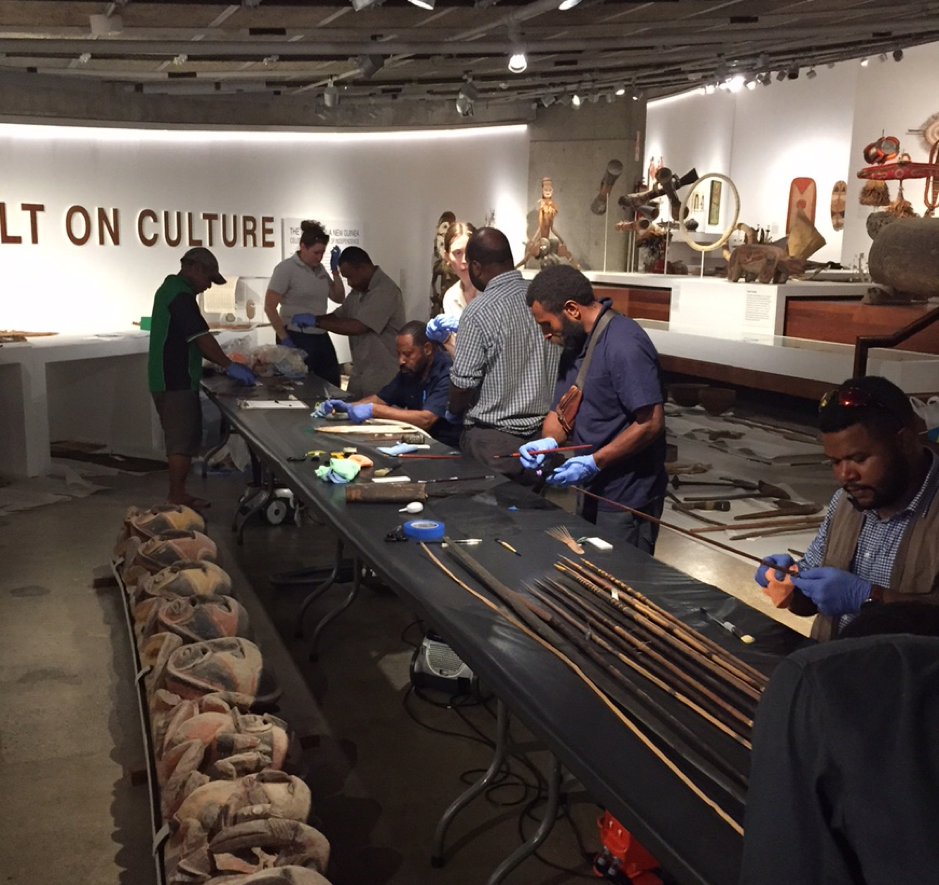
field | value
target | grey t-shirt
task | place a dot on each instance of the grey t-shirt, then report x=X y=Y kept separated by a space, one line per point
x=302 y=289
x=374 y=355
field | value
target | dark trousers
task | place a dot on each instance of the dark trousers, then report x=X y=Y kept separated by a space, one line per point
x=320 y=355
x=481 y=443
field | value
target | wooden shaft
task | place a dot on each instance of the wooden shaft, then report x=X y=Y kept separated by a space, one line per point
x=757 y=678
x=669 y=636
x=698 y=676
x=620 y=638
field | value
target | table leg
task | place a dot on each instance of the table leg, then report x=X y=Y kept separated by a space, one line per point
x=464 y=799
x=253 y=504
x=311 y=576
x=330 y=616
x=224 y=432
x=544 y=828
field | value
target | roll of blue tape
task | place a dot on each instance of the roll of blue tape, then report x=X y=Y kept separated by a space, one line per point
x=424 y=529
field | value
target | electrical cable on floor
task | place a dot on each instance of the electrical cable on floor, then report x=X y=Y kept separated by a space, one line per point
x=563 y=814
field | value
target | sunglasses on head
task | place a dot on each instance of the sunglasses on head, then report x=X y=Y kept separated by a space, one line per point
x=850 y=398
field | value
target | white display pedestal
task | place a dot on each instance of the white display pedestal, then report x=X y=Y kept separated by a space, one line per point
x=89 y=388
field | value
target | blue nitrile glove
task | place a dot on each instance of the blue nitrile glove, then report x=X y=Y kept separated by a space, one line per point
x=286 y=342
x=781 y=561
x=537 y=445
x=328 y=406
x=334 y=254
x=241 y=374
x=834 y=591
x=573 y=471
x=359 y=413
x=303 y=320
x=441 y=326
x=399 y=449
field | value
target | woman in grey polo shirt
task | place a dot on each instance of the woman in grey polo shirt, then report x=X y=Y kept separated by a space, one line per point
x=298 y=291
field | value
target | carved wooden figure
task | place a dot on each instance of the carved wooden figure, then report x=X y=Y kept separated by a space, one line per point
x=762 y=264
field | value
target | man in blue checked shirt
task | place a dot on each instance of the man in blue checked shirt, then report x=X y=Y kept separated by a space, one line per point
x=879 y=542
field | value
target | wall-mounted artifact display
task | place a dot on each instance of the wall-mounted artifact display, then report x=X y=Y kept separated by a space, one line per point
x=546 y=244
x=613 y=171
x=802 y=195
x=442 y=276
x=839 y=194
x=804 y=238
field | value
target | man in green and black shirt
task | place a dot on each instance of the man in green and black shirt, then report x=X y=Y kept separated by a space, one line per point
x=179 y=339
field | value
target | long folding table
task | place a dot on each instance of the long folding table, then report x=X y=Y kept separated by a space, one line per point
x=692 y=842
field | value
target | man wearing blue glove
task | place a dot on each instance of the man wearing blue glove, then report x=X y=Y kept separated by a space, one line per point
x=372 y=315
x=879 y=541
x=416 y=395
x=179 y=339
x=620 y=411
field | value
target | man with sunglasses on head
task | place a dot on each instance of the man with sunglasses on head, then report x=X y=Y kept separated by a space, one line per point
x=879 y=541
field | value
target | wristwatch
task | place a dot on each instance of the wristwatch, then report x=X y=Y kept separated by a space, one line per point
x=877 y=596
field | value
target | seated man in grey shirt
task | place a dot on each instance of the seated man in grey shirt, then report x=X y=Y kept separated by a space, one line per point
x=371 y=316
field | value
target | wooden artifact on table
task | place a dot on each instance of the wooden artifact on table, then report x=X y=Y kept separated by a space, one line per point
x=19 y=336
x=762 y=264
x=563 y=534
x=804 y=239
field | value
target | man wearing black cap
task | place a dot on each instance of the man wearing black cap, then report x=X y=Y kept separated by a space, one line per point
x=179 y=339
x=879 y=542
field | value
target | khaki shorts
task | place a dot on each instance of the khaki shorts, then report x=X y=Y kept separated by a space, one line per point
x=181 y=417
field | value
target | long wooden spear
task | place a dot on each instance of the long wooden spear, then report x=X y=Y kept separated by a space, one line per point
x=621 y=640
x=681 y=697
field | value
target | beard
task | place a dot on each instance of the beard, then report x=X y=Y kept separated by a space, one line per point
x=573 y=338
x=886 y=493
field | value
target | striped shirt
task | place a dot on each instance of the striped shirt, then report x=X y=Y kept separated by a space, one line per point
x=501 y=351
x=879 y=540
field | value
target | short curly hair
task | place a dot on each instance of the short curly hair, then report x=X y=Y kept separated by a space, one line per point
x=888 y=411
x=554 y=286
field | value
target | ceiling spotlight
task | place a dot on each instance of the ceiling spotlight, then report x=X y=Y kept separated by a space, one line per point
x=811 y=74
x=567 y=4
x=576 y=100
x=517 y=62
x=84 y=58
x=359 y=5
x=620 y=90
x=765 y=78
x=865 y=62
x=898 y=55
x=793 y=74
x=369 y=65
x=270 y=60
x=710 y=89
x=547 y=100
x=331 y=94
x=751 y=83
x=780 y=76
x=830 y=66
x=180 y=59
x=424 y=4
x=882 y=57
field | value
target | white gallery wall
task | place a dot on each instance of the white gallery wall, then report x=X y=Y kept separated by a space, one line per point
x=395 y=185
x=805 y=128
